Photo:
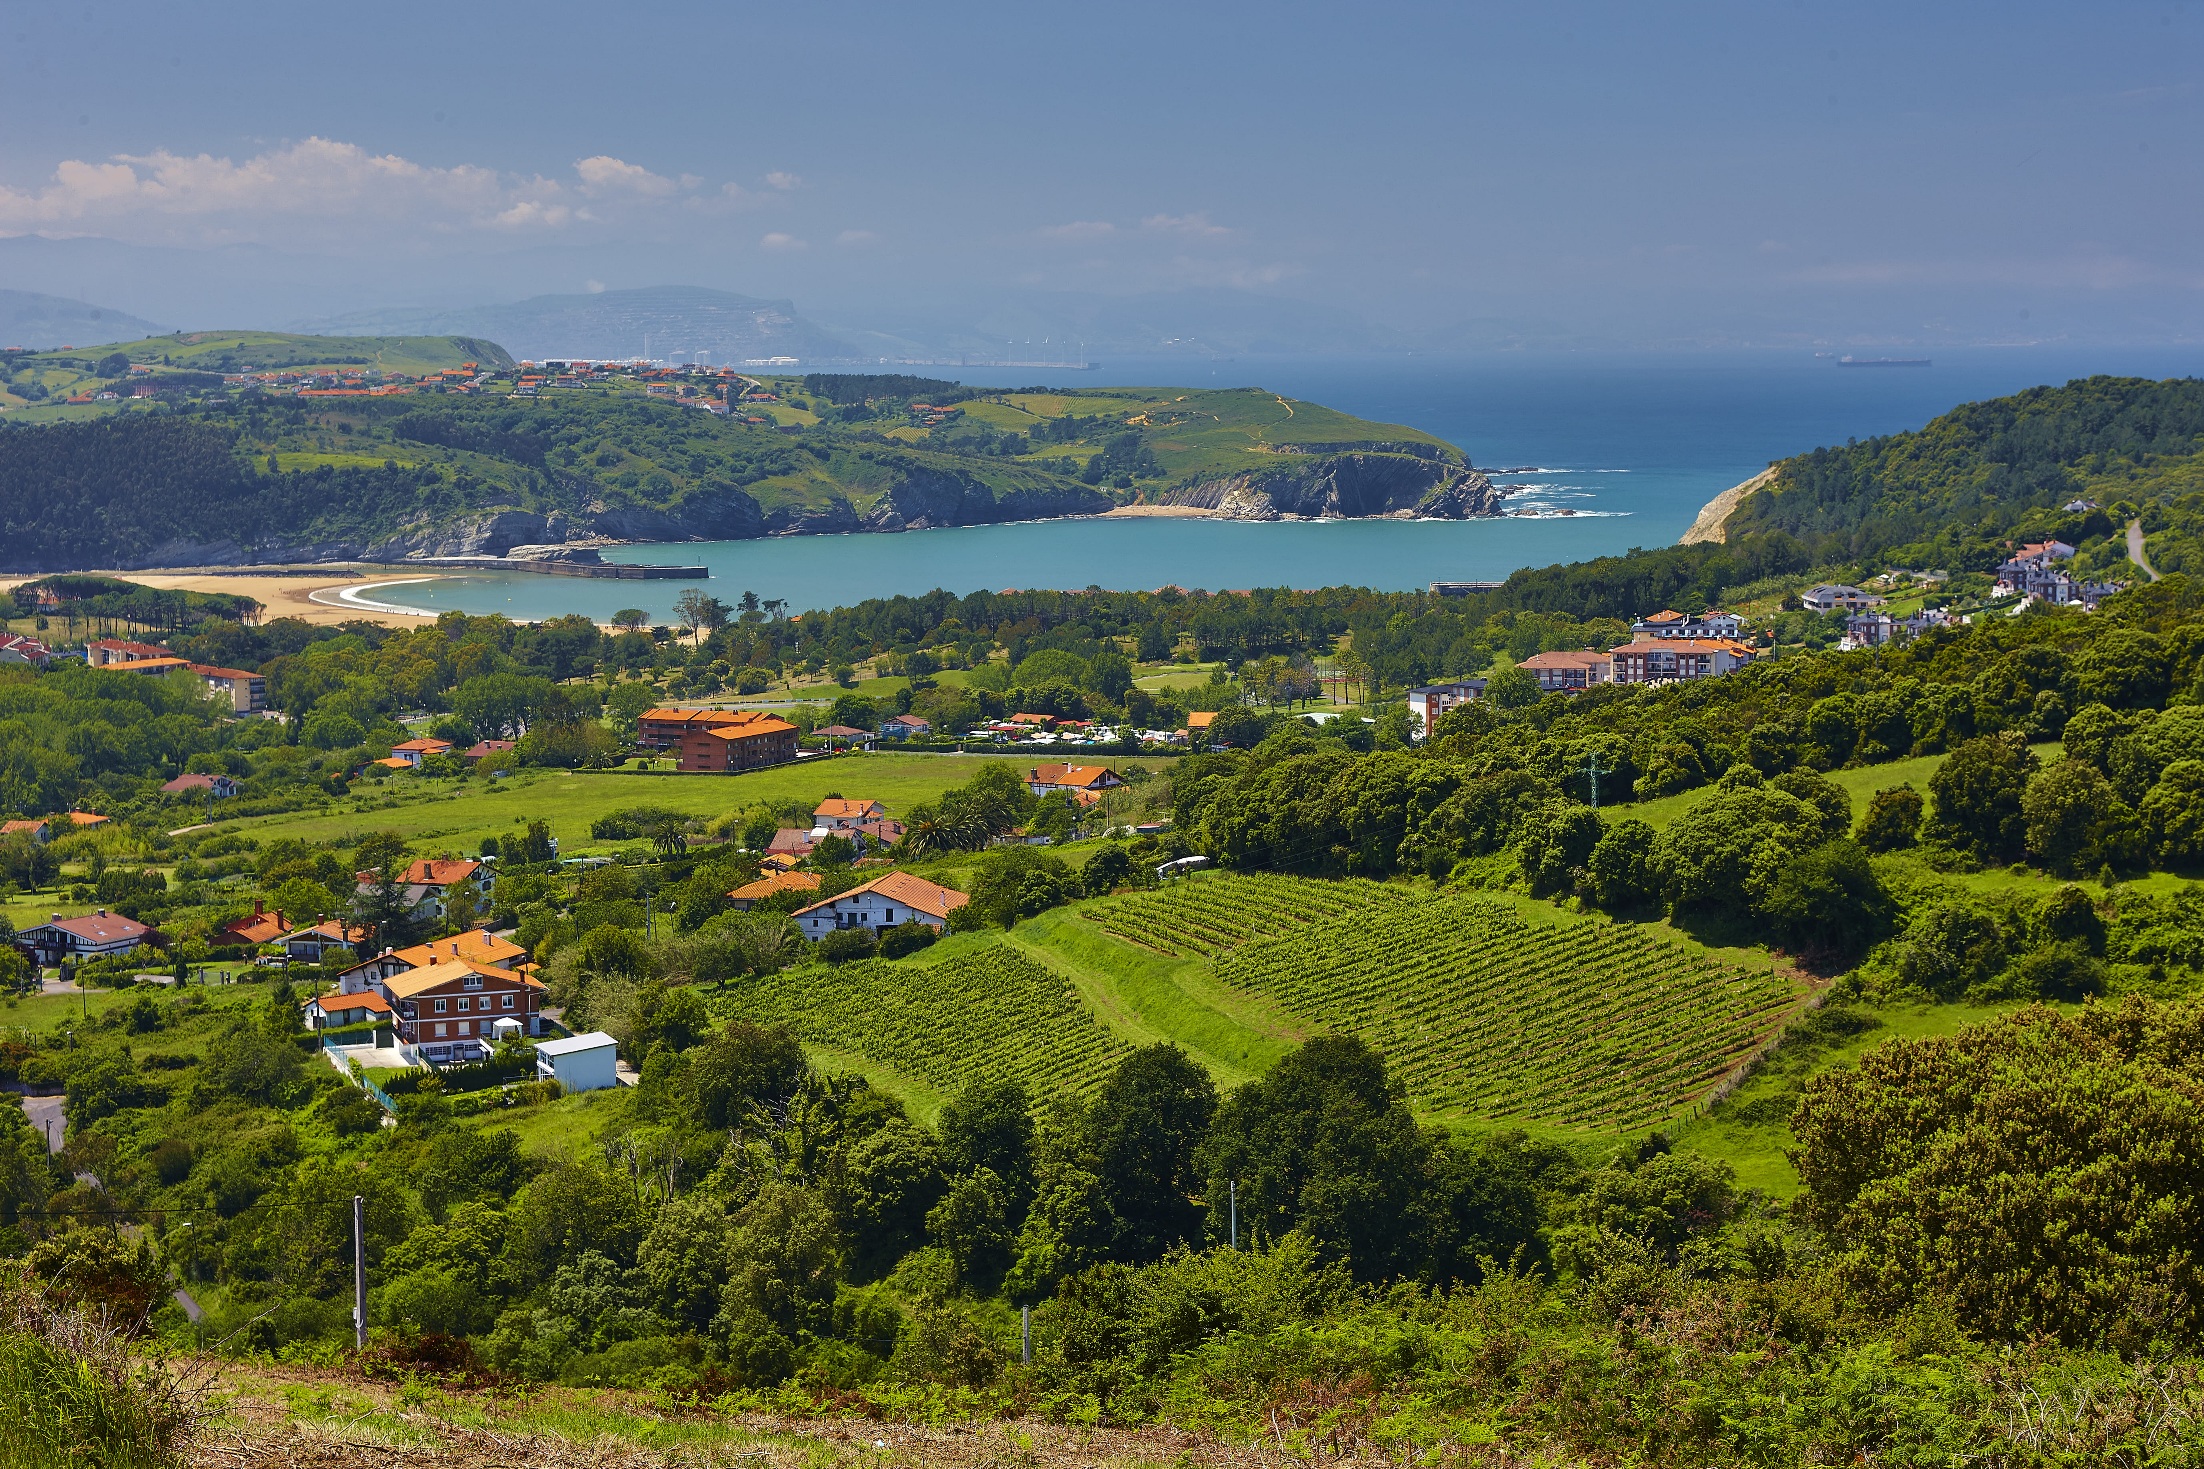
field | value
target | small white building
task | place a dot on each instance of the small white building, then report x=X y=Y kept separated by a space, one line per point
x=890 y=899
x=1180 y=868
x=1429 y=701
x=582 y=1063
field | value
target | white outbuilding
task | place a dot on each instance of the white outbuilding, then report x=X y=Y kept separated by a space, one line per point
x=580 y=1063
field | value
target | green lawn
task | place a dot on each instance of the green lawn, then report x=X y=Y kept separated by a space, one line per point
x=1860 y=783
x=460 y=814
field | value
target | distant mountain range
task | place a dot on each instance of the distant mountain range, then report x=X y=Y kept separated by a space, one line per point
x=28 y=319
x=685 y=322
x=692 y=323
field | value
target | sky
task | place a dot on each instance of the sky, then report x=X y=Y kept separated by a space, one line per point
x=1457 y=176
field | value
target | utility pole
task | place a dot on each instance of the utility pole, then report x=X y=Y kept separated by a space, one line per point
x=1234 y=1185
x=359 y=1273
x=1591 y=768
x=1025 y=1335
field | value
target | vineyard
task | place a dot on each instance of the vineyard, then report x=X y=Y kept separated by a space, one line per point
x=1210 y=915
x=988 y=1014
x=1580 y=1024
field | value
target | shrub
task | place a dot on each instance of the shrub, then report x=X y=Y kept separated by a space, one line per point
x=905 y=939
x=72 y=1395
x=845 y=944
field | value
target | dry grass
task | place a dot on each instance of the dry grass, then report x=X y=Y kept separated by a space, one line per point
x=292 y=1418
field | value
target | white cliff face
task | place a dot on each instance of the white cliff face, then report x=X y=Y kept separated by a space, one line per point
x=1348 y=486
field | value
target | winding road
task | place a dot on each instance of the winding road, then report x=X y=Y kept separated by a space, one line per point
x=2135 y=547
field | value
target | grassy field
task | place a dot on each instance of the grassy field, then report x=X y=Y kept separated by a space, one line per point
x=461 y=815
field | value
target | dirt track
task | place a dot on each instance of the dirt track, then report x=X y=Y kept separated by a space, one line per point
x=282 y=1418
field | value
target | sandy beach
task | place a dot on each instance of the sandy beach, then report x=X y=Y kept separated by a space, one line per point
x=1158 y=512
x=310 y=593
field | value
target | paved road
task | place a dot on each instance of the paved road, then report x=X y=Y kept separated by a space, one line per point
x=50 y=1116
x=47 y=1116
x=2135 y=548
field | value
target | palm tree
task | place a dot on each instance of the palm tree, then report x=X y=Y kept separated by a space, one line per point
x=667 y=836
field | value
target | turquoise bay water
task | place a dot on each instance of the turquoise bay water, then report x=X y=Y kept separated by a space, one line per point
x=1633 y=445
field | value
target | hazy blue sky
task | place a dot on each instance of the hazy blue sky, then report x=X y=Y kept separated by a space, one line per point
x=1552 y=172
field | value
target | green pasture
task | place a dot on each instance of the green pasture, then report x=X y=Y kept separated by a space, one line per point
x=229 y=351
x=459 y=814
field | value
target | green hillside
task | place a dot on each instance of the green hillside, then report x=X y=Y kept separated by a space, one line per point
x=267 y=471
x=63 y=370
x=1492 y=1011
x=1953 y=493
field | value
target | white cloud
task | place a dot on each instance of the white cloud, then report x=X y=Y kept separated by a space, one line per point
x=779 y=241
x=603 y=175
x=594 y=288
x=1183 y=224
x=321 y=191
x=784 y=181
x=1078 y=229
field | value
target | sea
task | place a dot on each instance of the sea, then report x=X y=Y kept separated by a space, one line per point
x=1599 y=454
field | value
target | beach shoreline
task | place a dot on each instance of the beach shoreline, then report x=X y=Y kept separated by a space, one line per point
x=312 y=594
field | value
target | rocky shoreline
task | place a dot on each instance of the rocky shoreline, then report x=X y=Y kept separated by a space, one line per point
x=1367 y=483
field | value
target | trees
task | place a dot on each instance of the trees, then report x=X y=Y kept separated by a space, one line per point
x=1143 y=1128
x=2173 y=816
x=501 y=705
x=2031 y=1171
x=1621 y=867
x=1893 y=820
x=2076 y=822
x=1555 y=844
x=1976 y=796
x=1829 y=901
x=701 y=613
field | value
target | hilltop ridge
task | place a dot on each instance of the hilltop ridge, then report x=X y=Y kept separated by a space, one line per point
x=139 y=463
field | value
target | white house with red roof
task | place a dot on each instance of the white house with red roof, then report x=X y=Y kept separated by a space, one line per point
x=433 y=885
x=836 y=814
x=889 y=899
x=221 y=787
x=413 y=752
x=1080 y=780
x=93 y=936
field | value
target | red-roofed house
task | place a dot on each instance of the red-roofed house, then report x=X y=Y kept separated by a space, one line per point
x=194 y=783
x=435 y=884
x=307 y=945
x=1568 y=671
x=663 y=729
x=1079 y=779
x=889 y=899
x=772 y=884
x=413 y=752
x=260 y=928
x=330 y=1011
x=1647 y=660
x=749 y=740
x=114 y=650
x=93 y=936
x=35 y=828
x=246 y=691
x=836 y=814
x=486 y=749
